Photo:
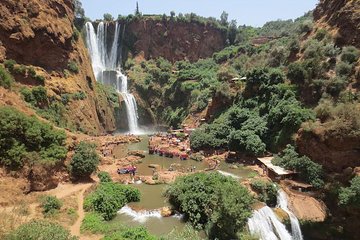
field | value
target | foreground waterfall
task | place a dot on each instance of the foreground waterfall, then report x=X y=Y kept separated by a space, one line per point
x=265 y=225
x=106 y=67
x=295 y=226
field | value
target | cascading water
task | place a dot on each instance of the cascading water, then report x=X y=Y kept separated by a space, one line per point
x=265 y=225
x=295 y=226
x=106 y=68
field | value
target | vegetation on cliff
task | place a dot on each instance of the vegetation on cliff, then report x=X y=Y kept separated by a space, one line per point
x=27 y=140
x=85 y=160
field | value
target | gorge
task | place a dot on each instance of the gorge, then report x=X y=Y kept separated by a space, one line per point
x=259 y=127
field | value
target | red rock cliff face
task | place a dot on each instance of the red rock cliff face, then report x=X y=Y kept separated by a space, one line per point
x=41 y=33
x=343 y=15
x=173 y=40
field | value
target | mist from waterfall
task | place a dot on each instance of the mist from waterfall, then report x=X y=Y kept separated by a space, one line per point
x=106 y=67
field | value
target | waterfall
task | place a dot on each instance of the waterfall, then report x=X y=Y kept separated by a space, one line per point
x=227 y=174
x=106 y=67
x=265 y=225
x=295 y=226
x=143 y=215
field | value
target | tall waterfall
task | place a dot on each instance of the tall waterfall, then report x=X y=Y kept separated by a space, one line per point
x=106 y=67
x=295 y=226
x=265 y=225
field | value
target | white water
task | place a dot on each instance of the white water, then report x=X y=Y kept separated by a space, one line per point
x=295 y=226
x=227 y=174
x=144 y=215
x=107 y=70
x=265 y=225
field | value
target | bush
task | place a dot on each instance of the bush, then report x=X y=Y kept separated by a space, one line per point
x=343 y=69
x=73 y=67
x=267 y=191
x=350 y=196
x=213 y=201
x=40 y=229
x=23 y=137
x=6 y=80
x=109 y=197
x=350 y=54
x=246 y=141
x=135 y=233
x=40 y=96
x=85 y=160
x=104 y=177
x=50 y=205
x=39 y=79
x=27 y=95
x=9 y=64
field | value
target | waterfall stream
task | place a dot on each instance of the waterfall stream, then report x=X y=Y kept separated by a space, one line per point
x=106 y=67
x=295 y=226
x=265 y=225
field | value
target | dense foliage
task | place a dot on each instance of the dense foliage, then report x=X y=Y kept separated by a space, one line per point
x=50 y=205
x=308 y=170
x=85 y=160
x=350 y=196
x=25 y=139
x=212 y=201
x=264 y=117
x=40 y=229
x=267 y=191
x=109 y=197
x=136 y=233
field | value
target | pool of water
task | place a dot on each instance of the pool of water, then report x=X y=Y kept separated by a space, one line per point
x=147 y=210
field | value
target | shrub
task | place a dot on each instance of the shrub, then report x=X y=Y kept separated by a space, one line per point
x=6 y=80
x=343 y=69
x=40 y=229
x=9 y=64
x=40 y=96
x=21 y=69
x=246 y=141
x=50 y=204
x=350 y=196
x=212 y=200
x=104 y=177
x=306 y=26
x=85 y=160
x=108 y=17
x=309 y=171
x=79 y=95
x=39 y=79
x=22 y=135
x=73 y=67
x=267 y=191
x=350 y=54
x=135 y=233
x=93 y=223
x=109 y=197
x=27 y=95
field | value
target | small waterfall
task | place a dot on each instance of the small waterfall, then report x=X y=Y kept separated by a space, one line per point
x=107 y=69
x=140 y=216
x=265 y=225
x=227 y=174
x=295 y=226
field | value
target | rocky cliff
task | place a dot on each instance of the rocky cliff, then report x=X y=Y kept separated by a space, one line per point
x=172 y=40
x=343 y=16
x=41 y=33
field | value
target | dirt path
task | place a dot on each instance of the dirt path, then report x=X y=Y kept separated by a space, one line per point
x=75 y=229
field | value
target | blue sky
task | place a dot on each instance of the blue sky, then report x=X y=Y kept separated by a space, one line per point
x=249 y=12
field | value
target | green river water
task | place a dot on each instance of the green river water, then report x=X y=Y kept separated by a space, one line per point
x=152 y=195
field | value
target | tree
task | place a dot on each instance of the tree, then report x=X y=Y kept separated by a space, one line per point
x=213 y=201
x=137 y=11
x=350 y=196
x=85 y=160
x=108 y=17
x=232 y=31
x=78 y=9
x=224 y=18
x=172 y=15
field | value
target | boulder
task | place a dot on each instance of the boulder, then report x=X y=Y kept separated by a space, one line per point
x=166 y=212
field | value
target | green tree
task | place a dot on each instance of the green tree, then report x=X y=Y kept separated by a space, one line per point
x=50 y=204
x=108 y=17
x=224 y=18
x=104 y=177
x=6 y=80
x=212 y=200
x=350 y=196
x=85 y=160
x=78 y=9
